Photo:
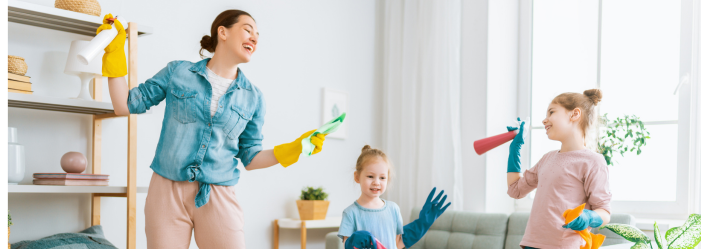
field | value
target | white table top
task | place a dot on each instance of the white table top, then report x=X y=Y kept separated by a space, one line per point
x=329 y=222
x=619 y=246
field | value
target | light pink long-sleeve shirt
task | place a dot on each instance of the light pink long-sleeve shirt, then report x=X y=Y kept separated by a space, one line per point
x=564 y=181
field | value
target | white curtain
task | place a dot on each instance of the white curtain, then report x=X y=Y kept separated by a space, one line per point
x=421 y=94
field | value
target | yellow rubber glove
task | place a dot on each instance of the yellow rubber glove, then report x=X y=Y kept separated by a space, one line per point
x=114 y=62
x=288 y=154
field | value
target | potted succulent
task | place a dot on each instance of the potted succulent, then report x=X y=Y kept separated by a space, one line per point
x=685 y=236
x=627 y=134
x=312 y=204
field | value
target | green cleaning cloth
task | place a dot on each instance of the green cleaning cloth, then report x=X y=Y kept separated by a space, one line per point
x=330 y=127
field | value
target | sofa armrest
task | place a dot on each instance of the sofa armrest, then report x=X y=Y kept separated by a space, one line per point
x=333 y=241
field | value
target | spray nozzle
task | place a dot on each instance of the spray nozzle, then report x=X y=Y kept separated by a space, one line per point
x=526 y=125
x=111 y=20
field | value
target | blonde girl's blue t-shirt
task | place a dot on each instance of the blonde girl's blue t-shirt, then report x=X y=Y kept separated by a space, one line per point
x=384 y=223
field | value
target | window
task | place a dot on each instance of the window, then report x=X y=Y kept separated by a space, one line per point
x=635 y=52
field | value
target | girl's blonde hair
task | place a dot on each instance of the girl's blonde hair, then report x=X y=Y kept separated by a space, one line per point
x=586 y=102
x=368 y=154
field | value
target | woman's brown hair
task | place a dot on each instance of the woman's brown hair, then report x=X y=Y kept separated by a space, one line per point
x=367 y=154
x=586 y=102
x=227 y=19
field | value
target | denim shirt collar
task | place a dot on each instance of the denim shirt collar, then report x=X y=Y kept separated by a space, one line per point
x=241 y=81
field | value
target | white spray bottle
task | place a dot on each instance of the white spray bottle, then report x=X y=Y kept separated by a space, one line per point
x=97 y=45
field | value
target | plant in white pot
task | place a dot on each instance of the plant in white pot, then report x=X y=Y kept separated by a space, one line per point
x=312 y=204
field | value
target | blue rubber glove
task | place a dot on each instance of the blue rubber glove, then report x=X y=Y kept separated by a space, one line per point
x=361 y=240
x=588 y=218
x=431 y=210
x=515 y=149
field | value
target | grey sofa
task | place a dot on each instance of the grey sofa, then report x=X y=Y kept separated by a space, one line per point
x=474 y=230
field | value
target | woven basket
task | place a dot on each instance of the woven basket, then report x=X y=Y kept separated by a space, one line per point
x=90 y=7
x=16 y=65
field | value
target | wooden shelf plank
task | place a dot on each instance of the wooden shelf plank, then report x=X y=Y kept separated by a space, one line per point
x=329 y=222
x=47 y=103
x=70 y=189
x=57 y=19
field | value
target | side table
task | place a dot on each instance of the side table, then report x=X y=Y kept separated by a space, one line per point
x=303 y=225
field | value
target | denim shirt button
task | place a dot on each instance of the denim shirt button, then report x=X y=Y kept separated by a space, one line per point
x=203 y=146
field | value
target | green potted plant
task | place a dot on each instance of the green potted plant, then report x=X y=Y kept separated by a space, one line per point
x=685 y=236
x=627 y=134
x=312 y=204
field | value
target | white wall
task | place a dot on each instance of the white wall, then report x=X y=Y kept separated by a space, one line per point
x=304 y=46
x=502 y=75
x=489 y=98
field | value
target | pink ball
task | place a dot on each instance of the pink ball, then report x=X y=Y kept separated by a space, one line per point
x=73 y=162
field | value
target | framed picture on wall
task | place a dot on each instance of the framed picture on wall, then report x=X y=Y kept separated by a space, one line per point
x=334 y=103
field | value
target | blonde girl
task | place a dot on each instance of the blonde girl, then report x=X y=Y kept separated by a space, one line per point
x=565 y=178
x=371 y=219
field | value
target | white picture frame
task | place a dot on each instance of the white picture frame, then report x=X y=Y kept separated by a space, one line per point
x=334 y=103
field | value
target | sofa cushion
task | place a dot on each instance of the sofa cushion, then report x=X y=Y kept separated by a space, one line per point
x=464 y=230
x=518 y=221
x=516 y=229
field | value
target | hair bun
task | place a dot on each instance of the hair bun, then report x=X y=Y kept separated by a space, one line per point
x=594 y=95
x=207 y=44
x=366 y=148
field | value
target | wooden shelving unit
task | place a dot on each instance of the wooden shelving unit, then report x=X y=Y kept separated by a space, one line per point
x=73 y=22
x=57 y=19
x=46 y=103
x=71 y=189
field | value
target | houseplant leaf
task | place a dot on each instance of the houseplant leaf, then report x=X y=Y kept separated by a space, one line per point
x=670 y=232
x=661 y=243
x=628 y=232
x=686 y=236
x=640 y=245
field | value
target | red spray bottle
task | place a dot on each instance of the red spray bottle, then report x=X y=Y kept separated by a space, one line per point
x=489 y=143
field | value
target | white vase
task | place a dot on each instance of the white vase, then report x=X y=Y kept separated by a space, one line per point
x=15 y=157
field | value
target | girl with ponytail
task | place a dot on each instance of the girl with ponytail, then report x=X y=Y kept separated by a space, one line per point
x=565 y=178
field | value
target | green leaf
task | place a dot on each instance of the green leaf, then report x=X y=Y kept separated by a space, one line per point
x=628 y=232
x=310 y=193
x=669 y=232
x=640 y=245
x=686 y=236
x=661 y=243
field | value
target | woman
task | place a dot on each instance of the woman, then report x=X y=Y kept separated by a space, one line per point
x=213 y=115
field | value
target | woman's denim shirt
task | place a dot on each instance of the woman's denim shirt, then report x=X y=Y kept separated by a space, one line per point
x=194 y=146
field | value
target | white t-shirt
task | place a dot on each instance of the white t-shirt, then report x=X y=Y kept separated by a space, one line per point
x=219 y=87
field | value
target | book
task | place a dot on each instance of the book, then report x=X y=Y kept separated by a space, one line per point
x=19 y=85
x=70 y=176
x=19 y=91
x=18 y=77
x=70 y=182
